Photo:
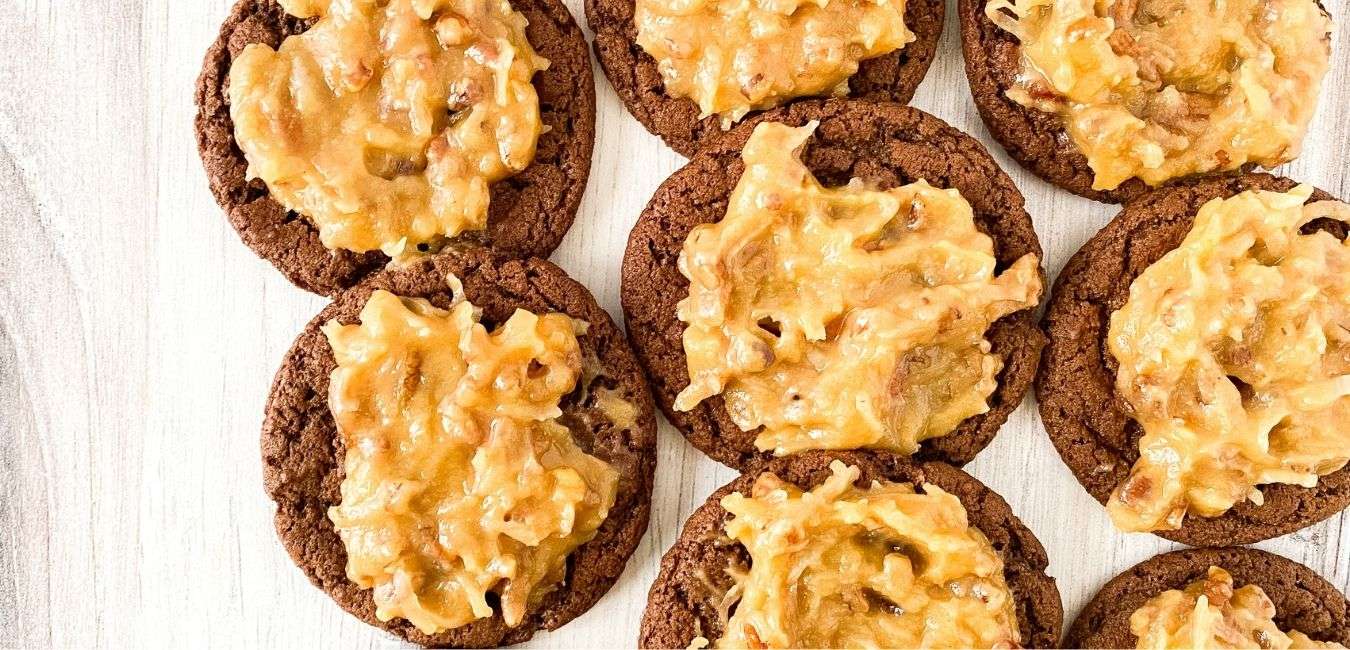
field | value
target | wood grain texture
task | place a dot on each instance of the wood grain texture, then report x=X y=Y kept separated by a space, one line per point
x=138 y=337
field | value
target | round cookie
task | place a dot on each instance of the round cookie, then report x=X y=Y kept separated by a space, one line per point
x=883 y=143
x=1036 y=139
x=682 y=602
x=634 y=75
x=1303 y=600
x=529 y=212
x=1084 y=415
x=303 y=454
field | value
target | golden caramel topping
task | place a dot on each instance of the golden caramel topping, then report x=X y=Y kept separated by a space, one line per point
x=1159 y=89
x=387 y=121
x=734 y=56
x=460 y=481
x=1234 y=356
x=879 y=567
x=1209 y=613
x=621 y=413
x=845 y=317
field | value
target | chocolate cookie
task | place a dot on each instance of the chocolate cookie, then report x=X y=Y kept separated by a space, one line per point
x=882 y=143
x=303 y=454
x=635 y=77
x=528 y=214
x=1082 y=411
x=1303 y=600
x=683 y=601
x=1036 y=139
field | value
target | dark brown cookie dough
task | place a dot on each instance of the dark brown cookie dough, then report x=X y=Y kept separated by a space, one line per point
x=1082 y=412
x=633 y=73
x=303 y=454
x=1303 y=600
x=682 y=603
x=883 y=143
x=528 y=214
x=1036 y=139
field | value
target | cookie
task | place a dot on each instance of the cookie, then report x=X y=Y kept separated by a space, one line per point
x=529 y=212
x=882 y=143
x=1303 y=600
x=303 y=454
x=1036 y=139
x=1083 y=413
x=635 y=77
x=682 y=602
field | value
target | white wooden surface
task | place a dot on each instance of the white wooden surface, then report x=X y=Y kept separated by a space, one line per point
x=138 y=337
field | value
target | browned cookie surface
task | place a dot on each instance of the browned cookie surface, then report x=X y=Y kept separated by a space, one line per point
x=683 y=601
x=303 y=453
x=1303 y=600
x=635 y=77
x=1083 y=413
x=529 y=212
x=882 y=143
